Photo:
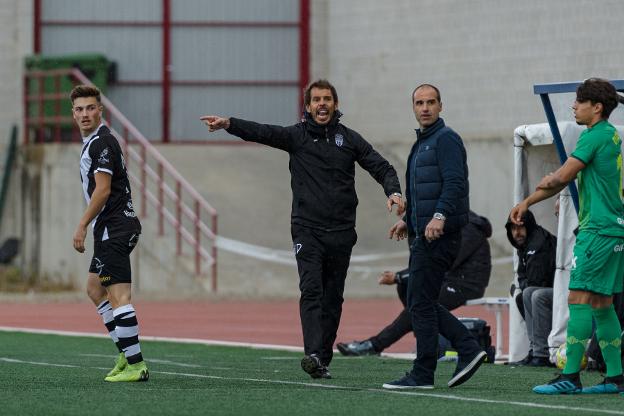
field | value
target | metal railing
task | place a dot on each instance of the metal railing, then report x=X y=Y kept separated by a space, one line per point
x=176 y=203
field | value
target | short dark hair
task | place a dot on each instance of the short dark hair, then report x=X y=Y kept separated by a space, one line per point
x=322 y=84
x=80 y=91
x=430 y=86
x=598 y=90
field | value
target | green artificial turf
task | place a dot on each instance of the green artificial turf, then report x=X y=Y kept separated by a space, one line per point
x=62 y=375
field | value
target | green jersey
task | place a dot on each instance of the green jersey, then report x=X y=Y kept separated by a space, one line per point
x=600 y=182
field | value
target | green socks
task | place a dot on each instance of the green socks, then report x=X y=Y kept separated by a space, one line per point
x=608 y=332
x=579 y=332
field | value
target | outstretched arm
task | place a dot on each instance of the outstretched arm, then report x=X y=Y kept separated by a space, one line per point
x=267 y=134
x=550 y=185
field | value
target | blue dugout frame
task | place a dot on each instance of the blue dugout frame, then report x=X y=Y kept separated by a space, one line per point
x=543 y=90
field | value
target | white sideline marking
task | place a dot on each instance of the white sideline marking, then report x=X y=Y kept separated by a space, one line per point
x=152 y=360
x=163 y=339
x=330 y=386
x=13 y=360
x=403 y=356
x=159 y=361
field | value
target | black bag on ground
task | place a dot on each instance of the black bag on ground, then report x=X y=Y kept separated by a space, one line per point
x=481 y=331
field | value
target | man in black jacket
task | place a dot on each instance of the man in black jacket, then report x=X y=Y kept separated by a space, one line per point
x=323 y=153
x=536 y=249
x=467 y=279
x=437 y=209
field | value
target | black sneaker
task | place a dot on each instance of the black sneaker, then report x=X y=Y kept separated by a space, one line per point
x=312 y=365
x=357 y=348
x=407 y=382
x=525 y=361
x=539 y=362
x=466 y=367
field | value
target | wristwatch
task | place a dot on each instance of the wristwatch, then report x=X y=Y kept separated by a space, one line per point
x=439 y=216
x=396 y=194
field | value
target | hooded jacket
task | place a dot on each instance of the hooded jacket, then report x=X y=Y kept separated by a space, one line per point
x=322 y=168
x=537 y=256
x=473 y=265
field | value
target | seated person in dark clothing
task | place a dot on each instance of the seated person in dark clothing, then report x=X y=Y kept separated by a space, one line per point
x=467 y=279
x=536 y=249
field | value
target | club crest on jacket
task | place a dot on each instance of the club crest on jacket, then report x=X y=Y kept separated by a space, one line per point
x=339 y=139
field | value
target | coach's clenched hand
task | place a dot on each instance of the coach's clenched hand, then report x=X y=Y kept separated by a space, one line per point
x=434 y=229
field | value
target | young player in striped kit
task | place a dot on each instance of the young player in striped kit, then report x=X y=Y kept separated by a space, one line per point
x=116 y=230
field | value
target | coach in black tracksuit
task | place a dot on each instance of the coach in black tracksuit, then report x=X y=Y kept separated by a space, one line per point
x=322 y=153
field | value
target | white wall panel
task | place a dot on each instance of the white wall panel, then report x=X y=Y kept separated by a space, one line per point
x=136 y=50
x=236 y=10
x=141 y=105
x=235 y=53
x=124 y=10
x=270 y=105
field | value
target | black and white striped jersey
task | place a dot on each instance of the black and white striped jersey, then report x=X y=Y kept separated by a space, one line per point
x=101 y=153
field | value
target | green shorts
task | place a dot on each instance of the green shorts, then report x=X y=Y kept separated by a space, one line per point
x=598 y=264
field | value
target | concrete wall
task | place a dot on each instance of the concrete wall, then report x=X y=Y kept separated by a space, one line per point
x=484 y=55
x=15 y=42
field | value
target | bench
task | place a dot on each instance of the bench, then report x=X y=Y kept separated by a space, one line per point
x=496 y=305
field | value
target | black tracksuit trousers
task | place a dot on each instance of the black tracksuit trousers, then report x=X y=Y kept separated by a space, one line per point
x=322 y=261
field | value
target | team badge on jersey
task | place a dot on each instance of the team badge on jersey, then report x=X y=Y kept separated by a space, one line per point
x=104 y=156
x=339 y=139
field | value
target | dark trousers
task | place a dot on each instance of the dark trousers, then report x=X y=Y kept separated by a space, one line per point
x=322 y=261
x=429 y=261
x=451 y=297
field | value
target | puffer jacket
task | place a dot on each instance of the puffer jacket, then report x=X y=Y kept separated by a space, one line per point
x=437 y=179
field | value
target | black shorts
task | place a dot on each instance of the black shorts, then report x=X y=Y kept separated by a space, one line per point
x=111 y=259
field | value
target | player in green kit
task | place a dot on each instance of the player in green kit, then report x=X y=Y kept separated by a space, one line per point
x=598 y=262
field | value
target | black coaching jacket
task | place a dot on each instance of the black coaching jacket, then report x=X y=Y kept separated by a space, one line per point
x=322 y=168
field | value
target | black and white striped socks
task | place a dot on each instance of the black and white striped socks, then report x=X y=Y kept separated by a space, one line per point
x=106 y=312
x=127 y=330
